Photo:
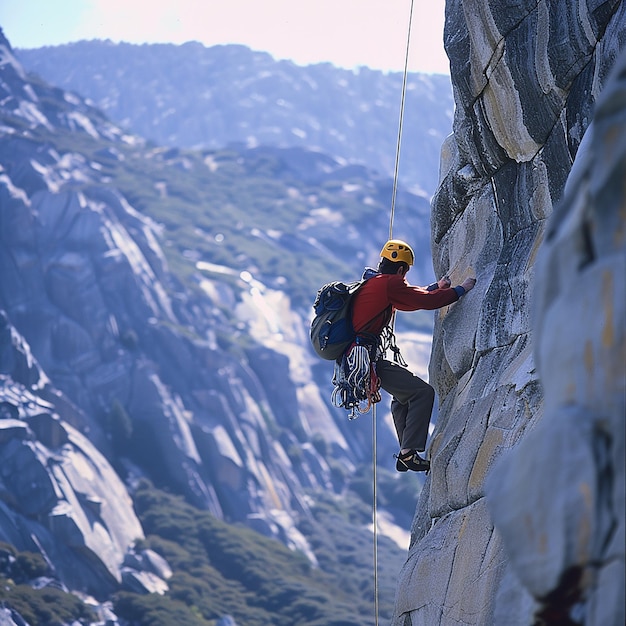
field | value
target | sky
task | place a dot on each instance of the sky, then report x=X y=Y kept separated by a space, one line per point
x=347 y=33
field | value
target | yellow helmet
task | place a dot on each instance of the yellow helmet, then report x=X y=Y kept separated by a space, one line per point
x=397 y=250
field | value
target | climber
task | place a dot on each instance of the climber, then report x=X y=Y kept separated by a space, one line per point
x=412 y=398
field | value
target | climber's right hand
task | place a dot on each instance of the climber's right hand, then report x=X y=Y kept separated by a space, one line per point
x=468 y=284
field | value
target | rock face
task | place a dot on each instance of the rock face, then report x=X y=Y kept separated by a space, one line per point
x=522 y=518
x=58 y=494
x=567 y=476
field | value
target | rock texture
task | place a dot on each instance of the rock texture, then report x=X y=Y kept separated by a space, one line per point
x=567 y=476
x=84 y=287
x=58 y=494
x=522 y=518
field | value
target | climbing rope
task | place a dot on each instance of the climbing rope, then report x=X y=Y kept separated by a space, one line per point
x=391 y=218
x=400 y=124
x=356 y=386
x=374 y=517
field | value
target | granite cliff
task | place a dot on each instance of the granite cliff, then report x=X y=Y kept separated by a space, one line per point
x=521 y=520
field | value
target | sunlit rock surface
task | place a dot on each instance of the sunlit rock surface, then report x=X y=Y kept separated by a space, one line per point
x=558 y=500
x=58 y=495
x=530 y=369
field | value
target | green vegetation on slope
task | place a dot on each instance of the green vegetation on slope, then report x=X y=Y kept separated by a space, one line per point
x=47 y=606
x=221 y=569
x=243 y=210
x=294 y=219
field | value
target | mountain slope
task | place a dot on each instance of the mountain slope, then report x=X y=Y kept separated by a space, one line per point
x=155 y=307
x=191 y=96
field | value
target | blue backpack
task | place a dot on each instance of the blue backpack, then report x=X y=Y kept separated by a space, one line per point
x=331 y=327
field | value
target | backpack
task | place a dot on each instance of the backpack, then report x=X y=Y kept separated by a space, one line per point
x=331 y=328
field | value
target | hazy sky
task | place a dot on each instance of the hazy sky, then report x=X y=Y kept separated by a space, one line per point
x=348 y=33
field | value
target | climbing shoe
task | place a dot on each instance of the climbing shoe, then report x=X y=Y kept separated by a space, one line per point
x=411 y=460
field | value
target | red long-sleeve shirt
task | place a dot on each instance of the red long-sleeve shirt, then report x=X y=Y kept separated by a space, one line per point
x=374 y=297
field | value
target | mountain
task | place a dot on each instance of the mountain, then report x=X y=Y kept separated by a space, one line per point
x=153 y=341
x=522 y=519
x=190 y=96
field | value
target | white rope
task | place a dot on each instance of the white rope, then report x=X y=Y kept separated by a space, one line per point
x=375 y=517
x=391 y=218
x=400 y=125
x=356 y=387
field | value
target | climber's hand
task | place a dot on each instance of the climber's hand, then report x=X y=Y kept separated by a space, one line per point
x=444 y=282
x=468 y=284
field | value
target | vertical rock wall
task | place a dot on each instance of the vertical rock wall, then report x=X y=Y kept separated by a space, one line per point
x=520 y=518
x=558 y=499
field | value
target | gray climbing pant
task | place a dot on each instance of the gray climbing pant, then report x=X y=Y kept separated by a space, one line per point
x=411 y=405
